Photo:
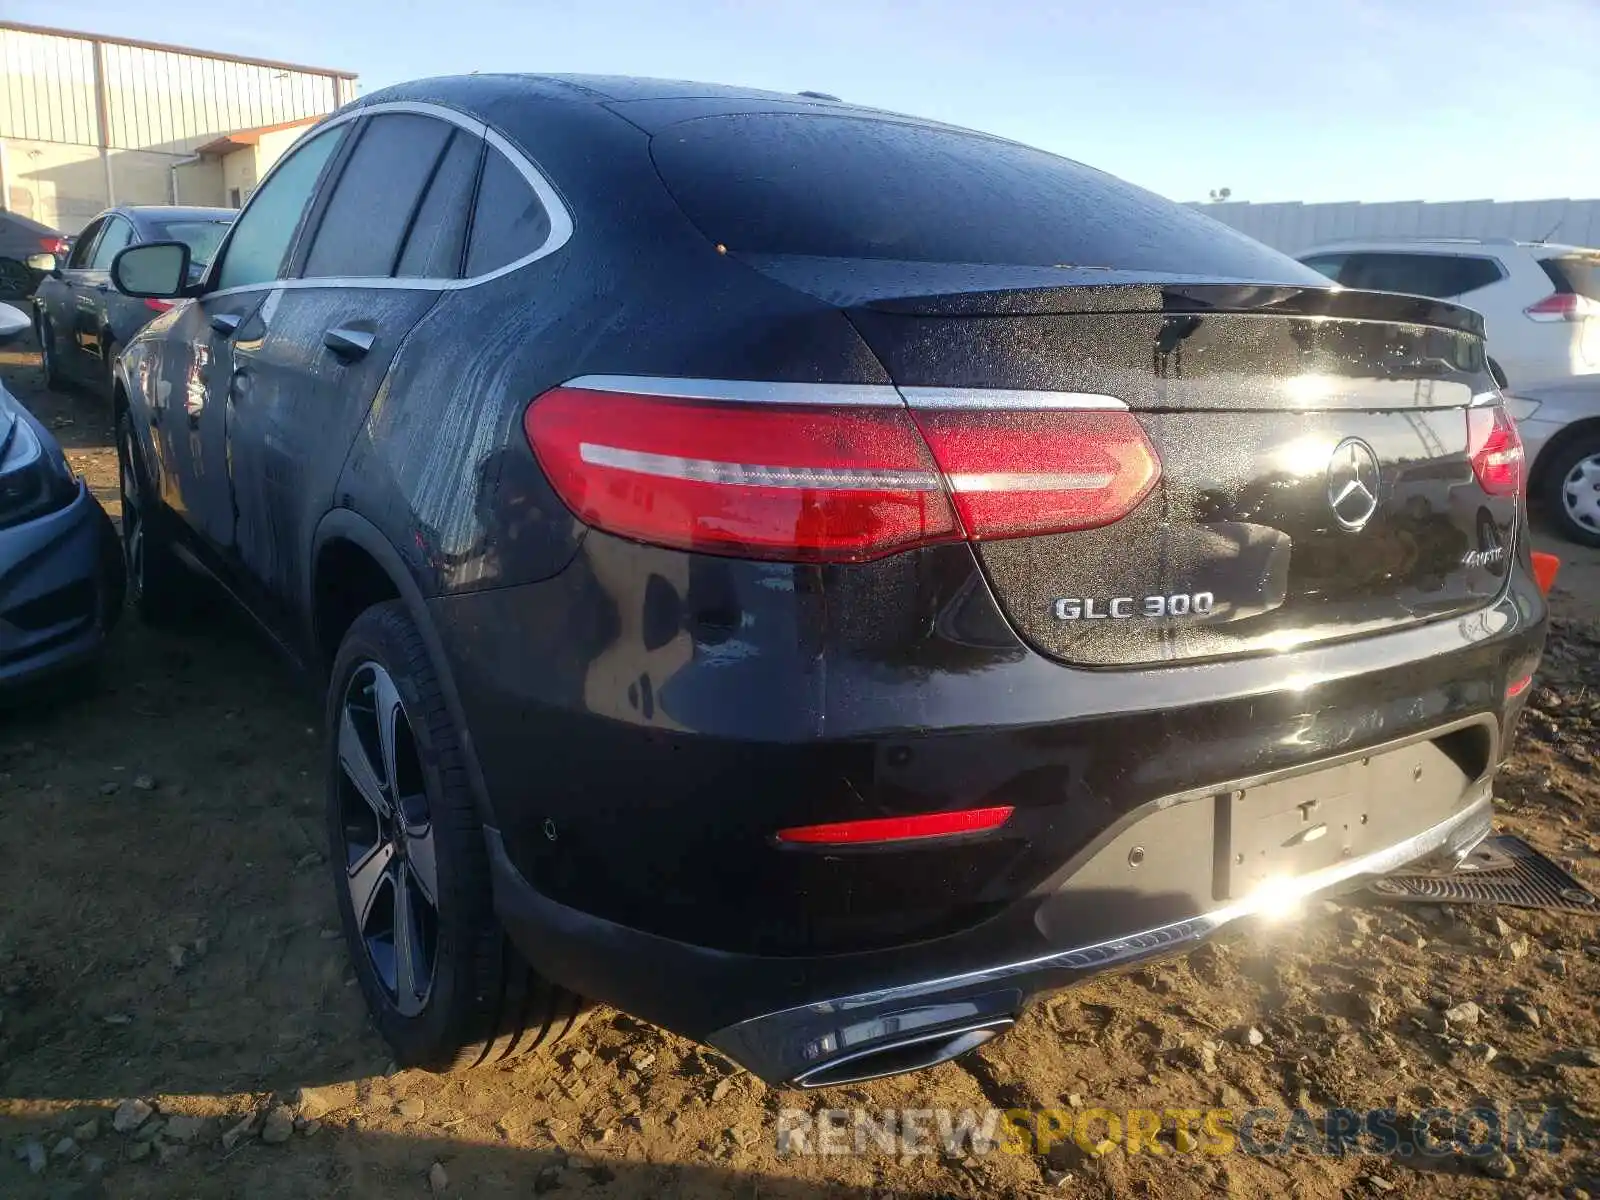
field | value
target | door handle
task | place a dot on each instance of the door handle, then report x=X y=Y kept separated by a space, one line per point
x=225 y=323
x=349 y=341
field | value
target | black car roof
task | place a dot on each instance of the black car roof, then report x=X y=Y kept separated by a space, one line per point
x=468 y=89
x=649 y=104
x=142 y=213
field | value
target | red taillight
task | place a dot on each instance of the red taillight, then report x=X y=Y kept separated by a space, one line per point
x=898 y=829
x=750 y=470
x=1495 y=448
x=53 y=245
x=1562 y=306
x=1516 y=687
x=804 y=482
x=1013 y=474
x=156 y=304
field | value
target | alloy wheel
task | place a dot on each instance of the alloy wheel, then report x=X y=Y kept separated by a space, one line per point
x=389 y=852
x=1580 y=493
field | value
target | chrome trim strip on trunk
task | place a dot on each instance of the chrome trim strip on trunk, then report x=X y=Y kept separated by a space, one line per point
x=743 y=391
x=1007 y=399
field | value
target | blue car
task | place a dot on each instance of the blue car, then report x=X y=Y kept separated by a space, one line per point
x=61 y=570
x=81 y=320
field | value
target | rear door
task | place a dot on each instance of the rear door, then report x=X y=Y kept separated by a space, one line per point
x=92 y=293
x=1169 y=442
x=61 y=299
x=385 y=238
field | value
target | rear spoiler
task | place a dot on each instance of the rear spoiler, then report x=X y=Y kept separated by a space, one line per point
x=1266 y=299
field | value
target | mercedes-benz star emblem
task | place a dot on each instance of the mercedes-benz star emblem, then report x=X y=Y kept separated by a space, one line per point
x=1353 y=483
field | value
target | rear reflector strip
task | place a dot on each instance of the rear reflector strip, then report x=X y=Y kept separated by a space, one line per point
x=898 y=829
x=1517 y=688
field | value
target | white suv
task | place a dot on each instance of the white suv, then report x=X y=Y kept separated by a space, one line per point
x=1540 y=303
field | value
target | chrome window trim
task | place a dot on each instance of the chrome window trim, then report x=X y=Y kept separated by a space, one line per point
x=743 y=391
x=560 y=218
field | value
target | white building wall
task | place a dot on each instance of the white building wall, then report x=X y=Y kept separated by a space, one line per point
x=72 y=105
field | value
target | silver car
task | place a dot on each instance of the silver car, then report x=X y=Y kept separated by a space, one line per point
x=1560 y=427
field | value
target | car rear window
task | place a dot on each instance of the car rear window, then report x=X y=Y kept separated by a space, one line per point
x=1439 y=276
x=433 y=247
x=1574 y=274
x=509 y=222
x=202 y=237
x=851 y=187
x=378 y=191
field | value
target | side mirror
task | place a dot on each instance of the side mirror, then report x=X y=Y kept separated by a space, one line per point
x=154 y=271
x=13 y=323
x=42 y=262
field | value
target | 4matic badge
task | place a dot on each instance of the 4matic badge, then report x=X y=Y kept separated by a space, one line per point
x=1122 y=608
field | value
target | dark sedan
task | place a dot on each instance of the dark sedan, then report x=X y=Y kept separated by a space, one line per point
x=81 y=320
x=61 y=571
x=812 y=577
x=22 y=243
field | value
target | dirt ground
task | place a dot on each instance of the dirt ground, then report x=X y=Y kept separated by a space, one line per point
x=167 y=935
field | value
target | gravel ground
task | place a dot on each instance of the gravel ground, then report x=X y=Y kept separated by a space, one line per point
x=177 y=1018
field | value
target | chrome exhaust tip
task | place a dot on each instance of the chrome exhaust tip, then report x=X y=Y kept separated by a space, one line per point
x=900 y=1056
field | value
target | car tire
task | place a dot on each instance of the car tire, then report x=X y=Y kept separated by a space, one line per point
x=161 y=588
x=442 y=982
x=1570 y=489
x=109 y=365
x=50 y=356
x=1499 y=375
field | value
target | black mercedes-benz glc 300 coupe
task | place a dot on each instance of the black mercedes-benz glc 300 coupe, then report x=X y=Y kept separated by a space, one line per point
x=812 y=577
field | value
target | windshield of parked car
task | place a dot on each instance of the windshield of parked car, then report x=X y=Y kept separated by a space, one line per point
x=202 y=237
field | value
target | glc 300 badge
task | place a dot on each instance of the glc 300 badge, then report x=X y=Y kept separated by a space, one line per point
x=1122 y=608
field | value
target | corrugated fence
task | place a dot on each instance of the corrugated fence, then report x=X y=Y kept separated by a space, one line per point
x=1293 y=226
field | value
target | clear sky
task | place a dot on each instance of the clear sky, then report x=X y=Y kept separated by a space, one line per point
x=1276 y=99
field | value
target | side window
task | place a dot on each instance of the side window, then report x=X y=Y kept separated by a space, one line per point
x=378 y=192
x=509 y=222
x=118 y=234
x=261 y=236
x=1326 y=264
x=1468 y=274
x=1439 y=276
x=83 y=248
x=439 y=231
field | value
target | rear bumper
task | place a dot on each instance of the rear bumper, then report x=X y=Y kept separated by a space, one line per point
x=59 y=585
x=639 y=746
x=918 y=1019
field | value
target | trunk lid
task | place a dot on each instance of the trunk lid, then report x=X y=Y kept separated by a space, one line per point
x=1317 y=477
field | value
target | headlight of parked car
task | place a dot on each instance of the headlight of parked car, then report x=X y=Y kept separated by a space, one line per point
x=34 y=480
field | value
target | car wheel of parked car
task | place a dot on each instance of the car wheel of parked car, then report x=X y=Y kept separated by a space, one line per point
x=113 y=348
x=49 y=356
x=1572 y=489
x=410 y=868
x=159 y=585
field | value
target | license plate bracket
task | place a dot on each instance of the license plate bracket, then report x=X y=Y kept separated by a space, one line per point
x=1293 y=826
